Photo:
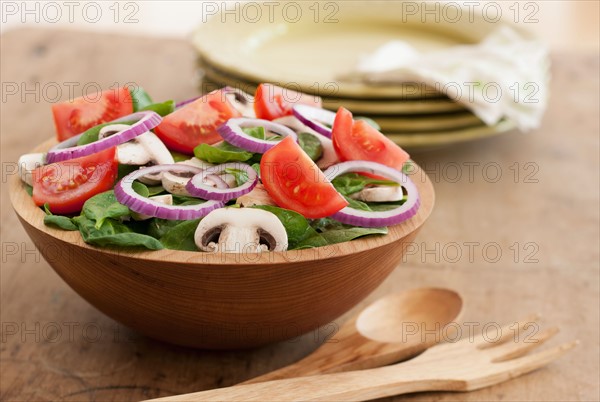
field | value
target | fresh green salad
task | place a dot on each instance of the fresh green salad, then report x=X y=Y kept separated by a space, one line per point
x=225 y=172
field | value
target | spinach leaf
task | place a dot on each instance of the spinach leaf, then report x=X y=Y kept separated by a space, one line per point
x=181 y=236
x=386 y=206
x=103 y=206
x=140 y=98
x=141 y=189
x=356 y=204
x=350 y=183
x=91 y=134
x=311 y=145
x=179 y=157
x=158 y=227
x=370 y=122
x=155 y=190
x=28 y=189
x=221 y=153
x=334 y=232
x=162 y=109
x=240 y=176
x=62 y=222
x=256 y=166
x=297 y=227
x=185 y=200
x=113 y=233
x=350 y=233
x=256 y=132
x=124 y=170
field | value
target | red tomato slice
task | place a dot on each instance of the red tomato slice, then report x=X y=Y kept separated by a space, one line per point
x=272 y=102
x=357 y=140
x=196 y=123
x=294 y=182
x=65 y=186
x=76 y=116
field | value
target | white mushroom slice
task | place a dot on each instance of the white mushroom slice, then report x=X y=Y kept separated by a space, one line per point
x=258 y=196
x=329 y=157
x=239 y=230
x=145 y=149
x=379 y=194
x=28 y=163
x=241 y=101
x=166 y=199
x=175 y=183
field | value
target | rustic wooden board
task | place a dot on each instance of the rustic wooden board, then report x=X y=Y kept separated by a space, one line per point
x=55 y=346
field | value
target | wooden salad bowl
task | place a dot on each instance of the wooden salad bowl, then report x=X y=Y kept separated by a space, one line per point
x=222 y=301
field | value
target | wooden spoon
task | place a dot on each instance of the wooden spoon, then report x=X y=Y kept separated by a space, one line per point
x=393 y=328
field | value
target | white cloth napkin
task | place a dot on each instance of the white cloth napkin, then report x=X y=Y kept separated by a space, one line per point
x=504 y=76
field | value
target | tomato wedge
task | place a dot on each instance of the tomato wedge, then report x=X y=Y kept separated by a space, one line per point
x=357 y=140
x=76 y=116
x=196 y=123
x=66 y=185
x=272 y=102
x=294 y=182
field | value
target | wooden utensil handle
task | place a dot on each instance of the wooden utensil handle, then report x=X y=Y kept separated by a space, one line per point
x=350 y=386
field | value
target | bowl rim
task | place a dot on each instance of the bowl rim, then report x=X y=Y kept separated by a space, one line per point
x=32 y=215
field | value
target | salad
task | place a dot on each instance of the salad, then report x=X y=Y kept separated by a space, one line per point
x=225 y=172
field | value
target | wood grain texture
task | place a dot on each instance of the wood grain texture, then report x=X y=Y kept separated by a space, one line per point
x=56 y=346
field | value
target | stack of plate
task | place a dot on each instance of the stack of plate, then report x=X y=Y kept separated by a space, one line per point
x=312 y=46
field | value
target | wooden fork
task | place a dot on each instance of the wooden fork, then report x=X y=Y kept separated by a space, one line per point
x=466 y=365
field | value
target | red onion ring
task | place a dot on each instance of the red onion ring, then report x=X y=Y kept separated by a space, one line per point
x=197 y=186
x=232 y=132
x=66 y=151
x=127 y=196
x=314 y=118
x=371 y=219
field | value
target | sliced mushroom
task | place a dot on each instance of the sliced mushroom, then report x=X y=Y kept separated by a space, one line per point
x=166 y=199
x=28 y=163
x=241 y=101
x=379 y=194
x=329 y=156
x=258 y=196
x=237 y=230
x=175 y=183
x=145 y=149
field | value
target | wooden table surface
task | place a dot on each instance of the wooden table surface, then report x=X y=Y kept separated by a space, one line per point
x=517 y=232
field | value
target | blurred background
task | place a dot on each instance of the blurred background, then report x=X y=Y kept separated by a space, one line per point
x=567 y=24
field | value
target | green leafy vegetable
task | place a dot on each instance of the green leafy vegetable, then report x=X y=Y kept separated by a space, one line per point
x=28 y=189
x=163 y=108
x=140 y=98
x=256 y=132
x=124 y=170
x=113 y=233
x=356 y=204
x=91 y=134
x=311 y=145
x=141 y=189
x=62 y=222
x=221 y=153
x=297 y=227
x=158 y=227
x=103 y=206
x=179 y=157
x=181 y=236
x=256 y=166
x=350 y=183
x=334 y=232
x=240 y=175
